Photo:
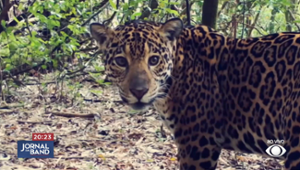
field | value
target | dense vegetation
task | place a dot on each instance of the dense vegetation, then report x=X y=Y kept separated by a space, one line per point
x=39 y=36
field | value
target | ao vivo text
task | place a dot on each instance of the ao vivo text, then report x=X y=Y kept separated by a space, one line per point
x=277 y=141
x=41 y=146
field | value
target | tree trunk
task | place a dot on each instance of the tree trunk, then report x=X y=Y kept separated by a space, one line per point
x=209 y=14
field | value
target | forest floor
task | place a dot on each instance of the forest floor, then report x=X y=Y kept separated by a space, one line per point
x=94 y=135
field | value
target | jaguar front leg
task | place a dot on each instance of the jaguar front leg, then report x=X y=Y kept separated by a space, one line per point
x=198 y=155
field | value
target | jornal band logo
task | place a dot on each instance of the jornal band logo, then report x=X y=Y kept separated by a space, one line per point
x=35 y=149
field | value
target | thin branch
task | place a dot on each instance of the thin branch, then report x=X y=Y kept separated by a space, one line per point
x=102 y=101
x=293 y=17
x=254 y=22
x=34 y=122
x=87 y=49
x=222 y=8
x=183 y=10
x=66 y=114
x=250 y=26
x=153 y=4
x=27 y=26
x=102 y=6
x=108 y=21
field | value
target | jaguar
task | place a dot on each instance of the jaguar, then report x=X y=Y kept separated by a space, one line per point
x=212 y=91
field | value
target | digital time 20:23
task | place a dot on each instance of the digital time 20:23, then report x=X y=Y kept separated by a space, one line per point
x=42 y=136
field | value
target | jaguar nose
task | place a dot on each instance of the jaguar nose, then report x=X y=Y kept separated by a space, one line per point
x=139 y=92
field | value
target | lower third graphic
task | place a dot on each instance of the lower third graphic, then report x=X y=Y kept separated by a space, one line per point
x=275 y=150
x=35 y=149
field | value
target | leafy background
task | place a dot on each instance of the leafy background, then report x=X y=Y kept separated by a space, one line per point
x=51 y=80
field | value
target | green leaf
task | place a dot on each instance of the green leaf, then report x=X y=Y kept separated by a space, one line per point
x=42 y=18
x=113 y=4
x=16 y=20
x=55 y=63
x=12 y=47
x=8 y=67
x=125 y=7
x=3 y=23
x=4 y=51
x=9 y=30
x=137 y=14
x=171 y=11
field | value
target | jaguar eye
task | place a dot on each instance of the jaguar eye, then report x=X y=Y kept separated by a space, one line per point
x=153 y=60
x=121 y=61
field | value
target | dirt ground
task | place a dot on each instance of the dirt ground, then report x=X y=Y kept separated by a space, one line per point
x=94 y=135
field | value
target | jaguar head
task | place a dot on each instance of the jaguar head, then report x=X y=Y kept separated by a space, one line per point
x=138 y=58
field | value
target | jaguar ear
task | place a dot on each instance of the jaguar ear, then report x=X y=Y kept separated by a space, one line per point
x=171 y=28
x=101 y=34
